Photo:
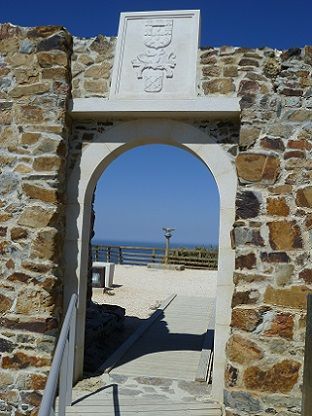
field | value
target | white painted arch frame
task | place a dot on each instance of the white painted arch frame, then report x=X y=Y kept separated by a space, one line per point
x=95 y=158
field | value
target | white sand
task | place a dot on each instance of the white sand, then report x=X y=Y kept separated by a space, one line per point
x=142 y=290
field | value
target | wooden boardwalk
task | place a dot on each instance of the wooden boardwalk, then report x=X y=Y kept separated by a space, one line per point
x=173 y=348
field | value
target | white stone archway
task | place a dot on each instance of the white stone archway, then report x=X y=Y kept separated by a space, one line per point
x=95 y=158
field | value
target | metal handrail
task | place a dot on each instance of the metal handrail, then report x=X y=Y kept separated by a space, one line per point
x=62 y=366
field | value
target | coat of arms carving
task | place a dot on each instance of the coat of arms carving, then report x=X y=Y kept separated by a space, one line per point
x=156 y=62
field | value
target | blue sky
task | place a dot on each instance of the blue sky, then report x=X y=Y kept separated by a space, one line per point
x=135 y=197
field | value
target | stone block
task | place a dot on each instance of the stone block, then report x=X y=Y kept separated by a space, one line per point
x=306 y=275
x=290 y=297
x=31 y=89
x=284 y=235
x=31 y=301
x=38 y=192
x=219 y=86
x=36 y=217
x=47 y=163
x=243 y=351
x=246 y=261
x=254 y=167
x=277 y=257
x=278 y=207
x=272 y=143
x=248 y=135
x=48 y=59
x=280 y=378
x=5 y=303
x=282 y=326
x=246 y=297
x=304 y=197
x=20 y=360
x=45 y=245
x=246 y=319
x=247 y=205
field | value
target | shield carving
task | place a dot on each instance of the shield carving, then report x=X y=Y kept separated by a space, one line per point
x=158 y=33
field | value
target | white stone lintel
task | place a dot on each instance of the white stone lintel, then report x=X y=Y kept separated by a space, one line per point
x=205 y=107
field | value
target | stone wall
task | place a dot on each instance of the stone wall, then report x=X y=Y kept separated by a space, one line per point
x=272 y=232
x=271 y=235
x=34 y=93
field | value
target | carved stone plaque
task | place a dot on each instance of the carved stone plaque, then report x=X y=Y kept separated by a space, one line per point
x=156 y=55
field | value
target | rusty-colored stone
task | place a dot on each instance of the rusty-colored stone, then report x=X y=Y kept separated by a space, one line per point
x=36 y=267
x=285 y=235
x=44 y=31
x=282 y=326
x=291 y=297
x=3 y=231
x=30 y=89
x=6 y=379
x=280 y=378
x=277 y=257
x=243 y=351
x=245 y=319
x=247 y=87
x=32 y=324
x=20 y=360
x=277 y=206
x=298 y=154
x=253 y=167
x=29 y=114
x=248 y=135
x=48 y=59
x=301 y=144
x=32 y=398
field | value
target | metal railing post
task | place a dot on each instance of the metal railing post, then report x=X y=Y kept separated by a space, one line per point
x=62 y=366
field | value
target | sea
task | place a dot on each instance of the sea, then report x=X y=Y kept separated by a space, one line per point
x=157 y=244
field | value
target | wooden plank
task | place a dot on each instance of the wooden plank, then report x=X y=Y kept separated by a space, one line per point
x=121 y=351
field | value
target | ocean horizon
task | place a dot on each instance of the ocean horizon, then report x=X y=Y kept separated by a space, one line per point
x=158 y=244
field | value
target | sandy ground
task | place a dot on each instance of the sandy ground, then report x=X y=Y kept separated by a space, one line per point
x=140 y=290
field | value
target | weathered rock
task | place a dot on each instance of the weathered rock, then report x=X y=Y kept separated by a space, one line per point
x=246 y=319
x=276 y=257
x=20 y=360
x=306 y=275
x=244 y=297
x=6 y=379
x=282 y=325
x=55 y=42
x=31 y=89
x=29 y=114
x=248 y=278
x=253 y=167
x=30 y=138
x=38 y=192
x=98 y=71
x=18 y=232
x=272 y=143
x=242 y=401
x=33 y=398
x=95 y=86
x=283 y=274
x=8 y=183
x=280 y=378
x=245 y=261
x=304 y=197
x=45 y=244
x=247 y=87
x=271 y=68
x=31 y=324
x=5 y=303
x=243 y=351
x=35 y=216
x=31 y=302
x=248 y=135
x=278 y=207
x=291 y=297
x=285 y=235
x=48 y=59
x=19 y=277
x=247 y=205
x=6 y=345
x=47 y=163
x=219 y=86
